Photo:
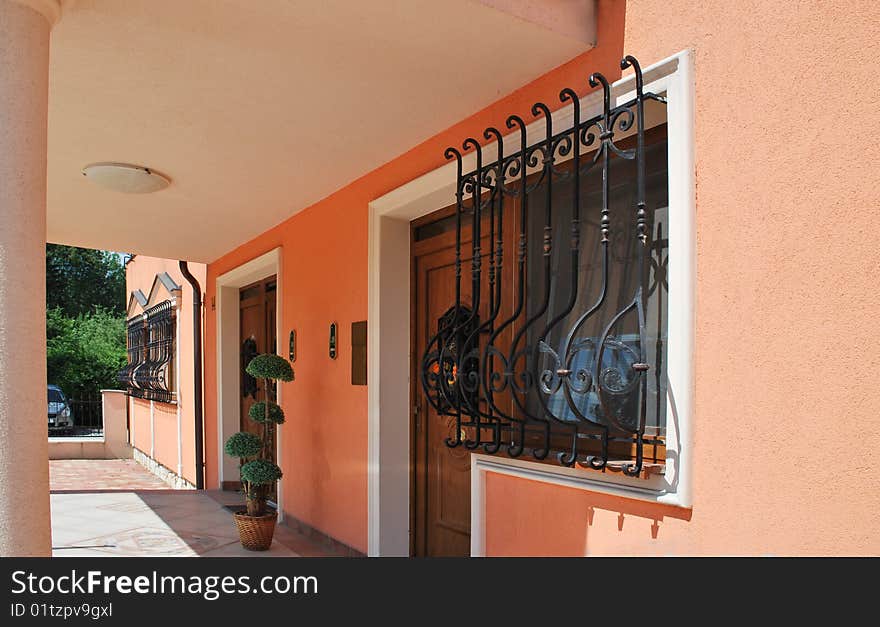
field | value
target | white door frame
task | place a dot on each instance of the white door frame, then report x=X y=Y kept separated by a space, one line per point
x=229 y=355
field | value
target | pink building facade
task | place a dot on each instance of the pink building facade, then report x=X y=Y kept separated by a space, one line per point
x=162 y=428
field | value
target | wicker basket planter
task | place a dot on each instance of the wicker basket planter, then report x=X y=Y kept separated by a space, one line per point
x=255 y=532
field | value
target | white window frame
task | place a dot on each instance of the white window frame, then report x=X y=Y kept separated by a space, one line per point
x=389 y=356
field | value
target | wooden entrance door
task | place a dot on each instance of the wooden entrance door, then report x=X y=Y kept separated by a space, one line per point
x=257 y=334
x=440 y=514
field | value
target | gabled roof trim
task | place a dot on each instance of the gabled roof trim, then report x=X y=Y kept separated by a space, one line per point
x=164 y=279
x=167 y=282
x=138 y=297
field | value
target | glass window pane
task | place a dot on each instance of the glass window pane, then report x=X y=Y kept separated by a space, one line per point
x=571 y=341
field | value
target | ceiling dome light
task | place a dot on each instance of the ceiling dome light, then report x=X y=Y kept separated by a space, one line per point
x=126 y=178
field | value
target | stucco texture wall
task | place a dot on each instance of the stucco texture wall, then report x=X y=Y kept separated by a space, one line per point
x=140 y=274
x=786 y=356
x=786 y=349
x=324 y=261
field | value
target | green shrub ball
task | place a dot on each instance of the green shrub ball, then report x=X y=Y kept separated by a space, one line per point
x=243 y=444
x=270 y=367
x=260 y=472
x=257 y=413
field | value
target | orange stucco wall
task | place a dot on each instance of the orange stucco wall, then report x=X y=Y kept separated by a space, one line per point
x=532 y=518
x=786 y=357
x=140 y=273
x=786 y=351
x=325 y=279
x=140 y=426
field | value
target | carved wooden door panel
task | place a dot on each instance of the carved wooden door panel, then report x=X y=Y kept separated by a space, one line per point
x=256 y=335
x=441 y=475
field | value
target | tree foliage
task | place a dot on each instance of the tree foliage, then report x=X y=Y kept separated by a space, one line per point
x=85 y=319
x=84 y=354
x=80 y=279
x=269 y=366
x=257 y=413
x=260 y=472
x=243 y=445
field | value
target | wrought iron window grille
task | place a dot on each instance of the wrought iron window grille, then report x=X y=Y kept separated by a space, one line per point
x=516 y=390
x=150 y=344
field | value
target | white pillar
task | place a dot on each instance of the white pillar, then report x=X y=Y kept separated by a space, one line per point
x=25 y=525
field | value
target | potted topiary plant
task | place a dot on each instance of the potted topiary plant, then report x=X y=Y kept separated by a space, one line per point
x=258 y=473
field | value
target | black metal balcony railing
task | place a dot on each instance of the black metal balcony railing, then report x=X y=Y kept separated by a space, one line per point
x=150 y=342
x=537 y=380
x=87 y=411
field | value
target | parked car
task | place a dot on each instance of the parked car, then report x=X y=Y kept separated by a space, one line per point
x=60 y=416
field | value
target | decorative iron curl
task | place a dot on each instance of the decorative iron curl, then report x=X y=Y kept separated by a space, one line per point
x=533 y=366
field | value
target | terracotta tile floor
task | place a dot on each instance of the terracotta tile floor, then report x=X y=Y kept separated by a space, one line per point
x=101 y=474
x=106 y=508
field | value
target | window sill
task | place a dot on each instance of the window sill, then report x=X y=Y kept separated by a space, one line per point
x=666 y=503
x=651 y=486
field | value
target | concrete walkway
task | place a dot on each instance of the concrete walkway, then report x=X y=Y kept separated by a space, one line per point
x=106 y=508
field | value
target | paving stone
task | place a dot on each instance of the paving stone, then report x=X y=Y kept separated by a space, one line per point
x=115 y=507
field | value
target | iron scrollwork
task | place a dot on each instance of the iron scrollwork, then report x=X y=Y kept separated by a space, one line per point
x=150 y=346
x=505 y=378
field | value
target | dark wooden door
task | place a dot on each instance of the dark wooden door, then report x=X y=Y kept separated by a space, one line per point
x=257 y=335
x=441 y=475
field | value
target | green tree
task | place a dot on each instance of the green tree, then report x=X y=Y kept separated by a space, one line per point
x=85 y=319
x=80 y=279
x=84 y=354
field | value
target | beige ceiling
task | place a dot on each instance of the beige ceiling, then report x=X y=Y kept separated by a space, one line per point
x=258 y=108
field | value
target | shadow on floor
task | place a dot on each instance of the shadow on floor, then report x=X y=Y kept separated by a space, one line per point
x=115 y=507
x=159 y=523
